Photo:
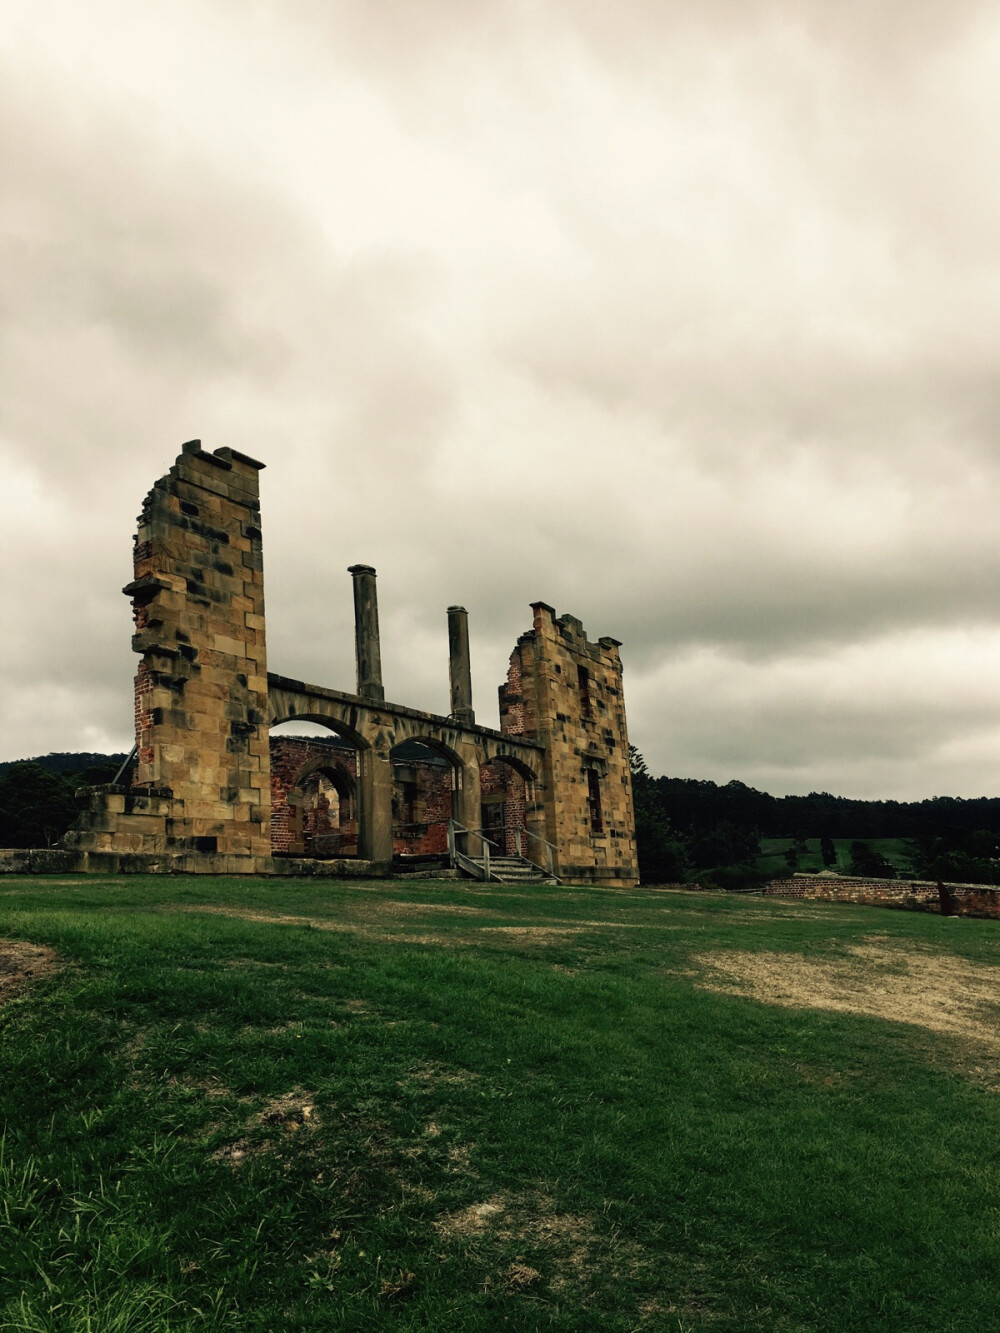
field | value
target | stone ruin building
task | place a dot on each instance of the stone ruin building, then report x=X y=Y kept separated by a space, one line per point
x=548 y=796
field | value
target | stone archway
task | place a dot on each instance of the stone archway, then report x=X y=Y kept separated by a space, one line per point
x=313 y=799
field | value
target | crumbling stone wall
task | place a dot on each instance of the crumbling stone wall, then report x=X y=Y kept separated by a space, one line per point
x=979 y=900
x=566 y=692
x=201 y=789
x=422 y=799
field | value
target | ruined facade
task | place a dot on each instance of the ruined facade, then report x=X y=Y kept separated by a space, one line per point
x=566 y=692
x=211 y=790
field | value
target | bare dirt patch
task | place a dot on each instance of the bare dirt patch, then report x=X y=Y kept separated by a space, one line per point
x=292 y=1111
x=935 y=991
x=567 y=1246
x=22 y=963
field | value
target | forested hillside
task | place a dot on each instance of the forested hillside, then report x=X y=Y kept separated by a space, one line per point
x=691 y=827
x=37 y=796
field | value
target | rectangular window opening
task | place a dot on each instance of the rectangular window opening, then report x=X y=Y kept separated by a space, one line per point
x=583 y=678
x=594 y=801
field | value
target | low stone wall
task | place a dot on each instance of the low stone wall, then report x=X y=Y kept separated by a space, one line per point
x=56 y=861
x=979 y=900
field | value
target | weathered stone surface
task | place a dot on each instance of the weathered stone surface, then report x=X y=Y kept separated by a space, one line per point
x=566 y=693
x=201 y=689
x=981 y=900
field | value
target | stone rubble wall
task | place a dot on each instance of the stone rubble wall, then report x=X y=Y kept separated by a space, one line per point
x=977 y=900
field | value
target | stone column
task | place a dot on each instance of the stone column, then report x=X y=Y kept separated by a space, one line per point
x=460 y=666
x=468 y=800
x=375 y=813
x=368 y=655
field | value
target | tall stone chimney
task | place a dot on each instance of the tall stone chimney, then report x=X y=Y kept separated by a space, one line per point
x=366 y=640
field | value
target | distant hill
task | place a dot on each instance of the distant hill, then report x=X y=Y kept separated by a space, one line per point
x=64 y=763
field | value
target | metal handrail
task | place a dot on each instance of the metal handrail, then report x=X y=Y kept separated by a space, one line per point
x=455 y=827
x=549 y=847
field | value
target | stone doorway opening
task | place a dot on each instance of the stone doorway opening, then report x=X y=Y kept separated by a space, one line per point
x=314 y=793
x=504 y=796
x=424 y=787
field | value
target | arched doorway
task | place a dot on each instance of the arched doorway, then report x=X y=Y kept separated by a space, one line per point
x=314 y=791
x=424 y=785
x=504 y=793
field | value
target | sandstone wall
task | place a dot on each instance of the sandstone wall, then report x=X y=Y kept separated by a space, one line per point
x=566 y=692
x=202 y=783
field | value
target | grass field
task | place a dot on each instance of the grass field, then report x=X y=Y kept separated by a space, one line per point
x=264 y=1106
x=772 y=855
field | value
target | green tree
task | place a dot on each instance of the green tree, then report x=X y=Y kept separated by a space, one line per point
x=661 y=853
x=827 y=850
x=724 y=844
x=36 y=806
x=867 y=863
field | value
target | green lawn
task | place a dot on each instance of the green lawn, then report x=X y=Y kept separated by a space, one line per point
x=263 y=1106
x=772 y=855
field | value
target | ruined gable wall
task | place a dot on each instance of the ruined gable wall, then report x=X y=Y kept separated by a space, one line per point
x=202 y=783
x=566 y=692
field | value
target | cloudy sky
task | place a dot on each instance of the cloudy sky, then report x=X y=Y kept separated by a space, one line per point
x=683 y=317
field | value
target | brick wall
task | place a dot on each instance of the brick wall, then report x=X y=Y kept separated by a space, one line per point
x=503 y=795
x=303 y=814
x=916 y=895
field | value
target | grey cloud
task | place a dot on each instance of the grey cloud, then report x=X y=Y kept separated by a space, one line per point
x=680 y=317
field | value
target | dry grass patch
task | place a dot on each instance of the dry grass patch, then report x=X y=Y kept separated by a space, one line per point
x=251 y=914
x=431 y=1074
x=531 y=934
x=567 y=1246
x=939 y=992
x=20 y=964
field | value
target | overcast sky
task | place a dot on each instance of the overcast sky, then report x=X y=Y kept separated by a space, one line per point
x=682 y=317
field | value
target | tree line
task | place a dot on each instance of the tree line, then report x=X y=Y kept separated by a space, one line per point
x=687 y=827
x=38 y=796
